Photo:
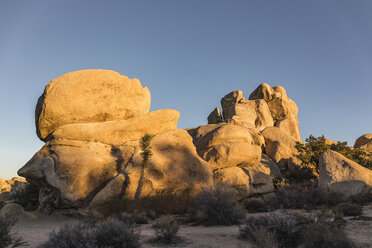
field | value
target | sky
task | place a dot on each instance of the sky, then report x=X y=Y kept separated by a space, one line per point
x=190 y=54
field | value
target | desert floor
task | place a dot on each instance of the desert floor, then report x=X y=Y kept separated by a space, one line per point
x=35 y=227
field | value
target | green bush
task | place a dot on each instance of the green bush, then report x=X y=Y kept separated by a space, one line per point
x=325 y=235
x=7 y=238
x=28 y=197
x=107 y=233
x=218 y=206
x=166 y=228
x=310 y=151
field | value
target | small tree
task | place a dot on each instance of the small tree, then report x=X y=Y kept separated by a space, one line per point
x=146 y=153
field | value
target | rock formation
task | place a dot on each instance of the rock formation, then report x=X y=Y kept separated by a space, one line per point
x=343 y=175
x=364 y=142
x=89 y=96
x=92 y=121
x=266 y=107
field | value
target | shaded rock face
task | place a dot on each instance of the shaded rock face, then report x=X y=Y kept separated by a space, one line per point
x=343 y=175
x=89 y=96
x=234 y=153
x=280 y=147
x=267 y=106
x=92 y=121
x=364 y=142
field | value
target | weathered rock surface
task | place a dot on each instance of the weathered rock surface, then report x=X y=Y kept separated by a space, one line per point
x=364 y=142
x=268 y=163
x=343 y=175
x=89 y=96
x=14 y=184
x=117 y=132
x=280 y=147
x=174 y=167
x=11 y=210
x=249 y=180
x=215 y=117
x=224 y=145
x=108 y=200
x=74 y=173
x=283 y=110
x=69 y=171
x=255 y=112
x=267 y=106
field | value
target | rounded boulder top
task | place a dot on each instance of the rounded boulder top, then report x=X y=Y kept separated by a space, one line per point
x=88 y=96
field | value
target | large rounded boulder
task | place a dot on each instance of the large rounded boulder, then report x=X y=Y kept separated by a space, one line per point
x=89 y=96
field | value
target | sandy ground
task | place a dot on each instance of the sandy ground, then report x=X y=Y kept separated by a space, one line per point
x=35 y=231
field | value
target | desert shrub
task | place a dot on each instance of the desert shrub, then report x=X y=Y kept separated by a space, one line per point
x=218 y=206
x=115 y=233
x=165 y=202
x=108 y=233
x=310 y=151
x=7 y=237
x=135 y=217
x=306 y=196
x=260 y=236
x=282 y=232
x=254 y=205
x=28 y=197
x=325 y=235
x=78 y=236
x=349 y=209
x=166 y=228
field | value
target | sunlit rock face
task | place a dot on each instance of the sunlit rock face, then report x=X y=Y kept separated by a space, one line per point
x=343 y=175
x=92 y=121
x=267 y=106
x=364 y=142
x=89 y=96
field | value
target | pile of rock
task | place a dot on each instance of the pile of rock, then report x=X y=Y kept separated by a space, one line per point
x=92 y=121
x=7 y=187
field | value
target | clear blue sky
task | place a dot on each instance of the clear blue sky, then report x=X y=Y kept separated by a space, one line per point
x=190 y=54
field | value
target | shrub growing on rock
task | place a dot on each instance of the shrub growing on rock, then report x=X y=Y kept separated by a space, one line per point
x=218 y=206
x=107 y=233
x=166 y=228
x=7 y=238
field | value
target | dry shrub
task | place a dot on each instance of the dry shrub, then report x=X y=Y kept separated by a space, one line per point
x=7 y=238
x=166 y=202
x=307 y=196
x=108 y=233
x=255 y=205
x=218 y=206
x=325 y=235
x=166 y=228
x=349 y=209
x=135 y=217
x=283 y=232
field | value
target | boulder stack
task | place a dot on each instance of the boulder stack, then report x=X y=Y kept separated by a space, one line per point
x=92 y=121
